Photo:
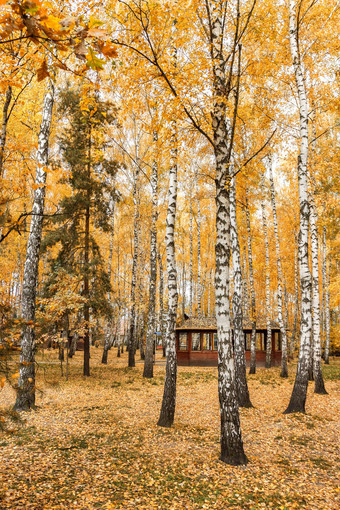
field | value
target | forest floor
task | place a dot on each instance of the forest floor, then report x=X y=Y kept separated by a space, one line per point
x=93 y=443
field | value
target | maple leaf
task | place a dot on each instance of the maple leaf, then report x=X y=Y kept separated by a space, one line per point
x=93 y=61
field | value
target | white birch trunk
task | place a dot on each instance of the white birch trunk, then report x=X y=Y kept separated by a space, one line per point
x=239 y=349
x=267 y=265
x=132 y=330
x=167 y=413
x=26 y=384
x=151 y=323
x=326 y=291
x=299 y=394
x=231 y=441
x=296 y=302
x=199 y=261
x=108 y=326
x=245 y=285
x=191 y=266
x=161 y=300
x=319 y=383
x=284 y=358
x=252 y=369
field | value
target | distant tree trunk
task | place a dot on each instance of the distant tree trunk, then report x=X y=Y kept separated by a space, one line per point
x=191 y=266
x=296 y=303
x=199 y=261
x=245 y=286
x=25 y=399
x=319 y=383
x=108 y=324
x=3 y=136
x=299 y=394
x=150 y=335
x=239 y=350
x=326 y=293
x=209 y=294
x=284 y=357
x=86 y=293
x=183 y=287
x=131 y=347
x=161 y=300
x=268 y=308
x=252 y=369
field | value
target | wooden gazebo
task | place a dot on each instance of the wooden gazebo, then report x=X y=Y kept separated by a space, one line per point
x=197 y=342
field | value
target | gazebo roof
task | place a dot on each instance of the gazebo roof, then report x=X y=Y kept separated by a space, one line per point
x=209 y=323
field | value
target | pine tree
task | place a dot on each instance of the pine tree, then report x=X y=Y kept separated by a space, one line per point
x=87 y=209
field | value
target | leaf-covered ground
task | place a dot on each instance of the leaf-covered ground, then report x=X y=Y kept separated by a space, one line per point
x=94 y=443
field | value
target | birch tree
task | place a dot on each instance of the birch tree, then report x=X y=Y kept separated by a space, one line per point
x=268 y=307
x=252 y=369
x=239 y=348
x=326 y=294
x=318 y=378
x=131 y=346
x=108 y=325
x=199 y=260
x=25 y=399
x=150 y=334
x=167 y=413
x=299 y=394
x=296 y=299
x=284 y=357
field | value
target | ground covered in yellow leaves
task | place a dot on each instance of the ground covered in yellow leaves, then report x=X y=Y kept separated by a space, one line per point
x=93 y=443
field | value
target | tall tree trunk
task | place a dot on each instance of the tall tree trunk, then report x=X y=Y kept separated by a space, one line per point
x=284 y=358
x=150 y=335
x=161 y=300
x=132 y=333
x=231 y=440
x=299 y=394
x=296 y=302
x=191 y=266
x=183 y=287
x=326 y=292
x=86 y=369
x=108 y=325
x=239 y=350
x=319 y=383
x=252 y=369
x=3 y=136
x=167 y=413
x=25 y=399
x=245 y=285
x=268 y=308
x=199 y=261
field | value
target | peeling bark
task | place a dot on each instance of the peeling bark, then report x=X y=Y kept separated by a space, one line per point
x=252 y=369
x=268 y=307
x=167 y=413
x=231 y=441
x=318 y=378
x=284 y=357
x=151 y=324
x=239 y=349
x=326 y=293
x=299 y=394
x=131 y=344
x=25 y=399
